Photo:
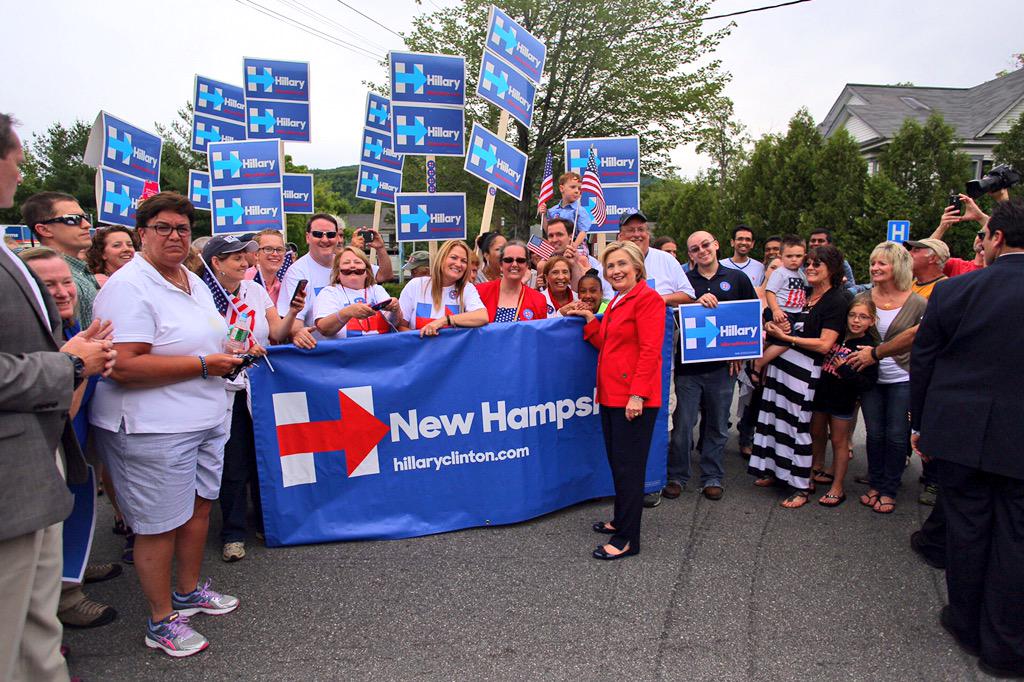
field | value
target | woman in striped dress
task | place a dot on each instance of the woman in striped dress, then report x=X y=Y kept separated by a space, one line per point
x=782 y=439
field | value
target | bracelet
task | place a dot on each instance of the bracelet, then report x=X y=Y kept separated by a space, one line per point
x=637 y=397
x=202 y=362
x=874 y=354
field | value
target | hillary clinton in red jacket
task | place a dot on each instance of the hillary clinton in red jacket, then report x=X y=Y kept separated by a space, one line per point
x=629 y=340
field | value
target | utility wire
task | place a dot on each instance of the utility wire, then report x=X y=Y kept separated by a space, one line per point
x=719 y=16
x=356 y=49
x=320 y=16
x=342 y=2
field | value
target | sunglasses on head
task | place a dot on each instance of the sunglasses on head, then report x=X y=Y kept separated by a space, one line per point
x=981 y=234
x=318 y=234
x=815 y=262
x=346 y=273
x=510 y=259
x=66 y=219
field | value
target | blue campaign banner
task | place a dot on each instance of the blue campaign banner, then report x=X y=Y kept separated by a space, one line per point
x=428 y=130
x=250 y=162
x=375 y=149
x=419 y=78
x=117 y=197
x=220 y=100
x=19 y=232
x=515 y=44
x=348 y=448
x=505 y=87
x=122 y=147
x=199 y=189
x=273 y=79
x=732 y=331
x=247 y=209
x=297 y=192
x=274 y=119
x=423 y=216
x=378 y=114
x=495 y=161
x=617 y=198
x=618 y=158
x=206 y=129
x=897 y=231
x=78 y=528
x=378 y=184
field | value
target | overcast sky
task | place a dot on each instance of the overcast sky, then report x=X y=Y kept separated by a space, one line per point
x=136 y=58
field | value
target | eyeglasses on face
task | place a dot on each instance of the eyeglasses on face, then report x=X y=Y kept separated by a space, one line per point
x=271 y=250
x=510 y=259
x=981 y=234
x=66 y=219
x=697 y=248
x=319 y=234
x=164 y=230
x=815 y=262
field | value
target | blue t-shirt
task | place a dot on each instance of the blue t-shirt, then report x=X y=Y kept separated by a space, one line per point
x=582 y=220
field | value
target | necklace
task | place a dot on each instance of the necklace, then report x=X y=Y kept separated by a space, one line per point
x=182 y=285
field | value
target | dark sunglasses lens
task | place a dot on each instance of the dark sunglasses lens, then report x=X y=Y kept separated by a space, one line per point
x=509 y=259
x=317 y=234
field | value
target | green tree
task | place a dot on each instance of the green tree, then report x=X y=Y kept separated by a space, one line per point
x=1011 y=149
x=884 y=200
x=177 y=158
x=839 y=176
x=658 y=79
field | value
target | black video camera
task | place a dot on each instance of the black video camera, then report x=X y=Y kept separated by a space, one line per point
x=1000 y=177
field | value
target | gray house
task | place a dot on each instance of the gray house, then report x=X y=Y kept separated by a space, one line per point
x=873 y=113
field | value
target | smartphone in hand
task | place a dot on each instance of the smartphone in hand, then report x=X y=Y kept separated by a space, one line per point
x=300 y=287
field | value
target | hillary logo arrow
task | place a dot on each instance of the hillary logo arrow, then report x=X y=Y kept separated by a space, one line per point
x=580 y=162
x=420 y=218
x=414 y=78
x=212 y=135
x=379 y=113
x=375 y=148
x=370 y=182
x=266 y=79
x=417 y=130
x=488 y=156
x=121 y=199
x=500 y=81
x=234 y=211
x=216 y=98
x=232 y=164
x=123 y=147
x=709 y=332
x=507 y=36
x=200 y=191
x=265 y=119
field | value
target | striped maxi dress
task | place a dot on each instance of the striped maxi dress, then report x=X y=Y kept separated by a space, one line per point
x=782 y=436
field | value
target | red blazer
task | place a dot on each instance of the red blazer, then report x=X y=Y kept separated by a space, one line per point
x=534 y=307
x=629 y=339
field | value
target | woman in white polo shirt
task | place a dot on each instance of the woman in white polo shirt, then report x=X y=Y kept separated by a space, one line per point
x=159 y=419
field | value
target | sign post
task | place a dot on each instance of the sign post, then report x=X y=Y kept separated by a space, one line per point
x=485 y=221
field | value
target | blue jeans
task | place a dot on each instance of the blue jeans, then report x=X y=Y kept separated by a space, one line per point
x=714 y=388
x=885 y=409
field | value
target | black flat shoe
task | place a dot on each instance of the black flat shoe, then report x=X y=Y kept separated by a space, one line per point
x=600 y=553
x=600 y=527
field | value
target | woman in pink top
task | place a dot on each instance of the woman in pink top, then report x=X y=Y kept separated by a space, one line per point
x=272 y=261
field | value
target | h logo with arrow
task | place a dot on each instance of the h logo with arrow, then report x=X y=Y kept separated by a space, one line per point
x=199 y=192
x=709 y=332
x=230 y=164
x=369 y=182
x=499 y=81
x=215 y=98
x=421 y=218
x=254 y=80
x=115 y=146
x=483 y=156
x=504 y=37
x=415 y=78
x=266 y=119
x=234 y=211
x=404 y=129
x=111 y=198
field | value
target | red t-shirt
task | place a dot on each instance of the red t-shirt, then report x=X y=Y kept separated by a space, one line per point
x=959 y=266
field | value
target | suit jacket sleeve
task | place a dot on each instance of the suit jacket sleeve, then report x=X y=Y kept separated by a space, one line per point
x=931 y=338
x=36 y=382
x=650 y=327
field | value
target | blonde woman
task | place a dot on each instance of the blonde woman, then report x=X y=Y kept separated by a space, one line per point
x=445 y=298
x=352 y=304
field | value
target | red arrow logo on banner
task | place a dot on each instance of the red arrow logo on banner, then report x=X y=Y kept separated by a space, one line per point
x=357 y=433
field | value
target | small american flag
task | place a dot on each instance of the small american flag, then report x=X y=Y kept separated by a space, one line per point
x=547 y=185
x=279 y=276
x=592 y=185
x=540 y=247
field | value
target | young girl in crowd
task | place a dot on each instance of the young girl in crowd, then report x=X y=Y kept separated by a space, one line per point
x=836 y=397
x=591 y=293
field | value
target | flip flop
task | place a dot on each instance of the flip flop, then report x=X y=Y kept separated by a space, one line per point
x=878 y=507
x=822 y=476
x=871 y=500
x=830 y=500
x=798 y=495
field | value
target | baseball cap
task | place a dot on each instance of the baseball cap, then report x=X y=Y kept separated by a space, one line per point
x=936 y=245
x=222 y=245
x=628 y=215
x=417 y=259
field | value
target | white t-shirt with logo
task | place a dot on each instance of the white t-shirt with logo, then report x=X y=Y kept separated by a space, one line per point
x=752 y=268
x=790 y=289
x=552 y=307
x=335 y=297
x=318 y=276
x=417 y=304
x=146 y=308
x=665 y=275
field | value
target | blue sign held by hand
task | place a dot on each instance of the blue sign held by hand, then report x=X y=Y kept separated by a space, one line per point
x=505 y=87
x=375 y=149
x=515 y=44
x=123 y=147
x=378 y=114
x=286 y=121
x=297 y=192
x=117 y=197
x=618 y=158
x=378 y=184
x=207 y=129
x=428 y=130
x=277 y=80
x=732 y=331
x=199 y=189
x=495 y=161
x=422 y=216
x=218 y=99
x=247 y=209
x=250 y=162
x=418 y=78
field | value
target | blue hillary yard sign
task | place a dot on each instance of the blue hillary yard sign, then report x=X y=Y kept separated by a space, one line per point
x=286 y=121
x=430 y=217
x=276 y=80
x=514 y=44
x=345 y=451
x=617 y=198
x=218 y=99
x=122 y=147
x=732 y=331
x=427 y=130
x=117 y=197
x=495 y=161
x=418 y=78
x=298 y=193
x=378 y=184
x=378 y=114
x=247 y=209
x=253 y=162
x=19 y=232
x=897 y=231
x=618 y=158
x=199 y=189
x=375 y=149
x=507 y=88
x=207 y=129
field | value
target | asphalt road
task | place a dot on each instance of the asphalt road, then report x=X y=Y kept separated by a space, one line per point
x=738 y=589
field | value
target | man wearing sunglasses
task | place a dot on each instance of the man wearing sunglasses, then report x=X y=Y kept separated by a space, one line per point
x=58 y=221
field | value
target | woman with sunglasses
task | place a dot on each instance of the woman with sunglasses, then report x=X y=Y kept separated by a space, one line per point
x=272 y=262
x=508 y=299
x=353 y=304
x=445 y=298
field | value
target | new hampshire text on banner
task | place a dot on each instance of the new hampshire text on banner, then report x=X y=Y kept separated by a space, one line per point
x=354 y=445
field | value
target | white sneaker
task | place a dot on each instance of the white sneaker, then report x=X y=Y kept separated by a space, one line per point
x=233 y=551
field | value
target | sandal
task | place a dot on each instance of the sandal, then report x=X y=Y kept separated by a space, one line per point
x=796 y=500
x=822 y=476
x=878 y=508
x=870 y=500
x=764 y=481
x=831 y=499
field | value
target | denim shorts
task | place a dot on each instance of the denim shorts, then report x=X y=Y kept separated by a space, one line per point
x=835 y=414
x=158 y=475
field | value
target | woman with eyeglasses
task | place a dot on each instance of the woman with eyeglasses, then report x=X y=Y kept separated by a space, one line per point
x=112 y=247
x=445 y=298
x=508 y=299
x=353 y=305
x=272 y=262
x=558 y=293
x=159 y=421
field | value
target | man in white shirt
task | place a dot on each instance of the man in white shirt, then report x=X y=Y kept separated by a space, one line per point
x=664 y=273
x=742 y=244
x=323 y=237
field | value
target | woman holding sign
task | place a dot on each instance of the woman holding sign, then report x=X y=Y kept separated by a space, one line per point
x=446 y=298
x=629 y=339
x=508 y=299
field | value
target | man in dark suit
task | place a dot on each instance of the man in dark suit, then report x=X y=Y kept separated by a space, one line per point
x=965 y=373
x=37 y=447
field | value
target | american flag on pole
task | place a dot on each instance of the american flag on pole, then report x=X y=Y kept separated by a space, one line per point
x=547 y=185
x=540 y=247
x=592 y=185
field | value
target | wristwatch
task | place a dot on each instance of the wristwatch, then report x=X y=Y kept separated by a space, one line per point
x=79 y=366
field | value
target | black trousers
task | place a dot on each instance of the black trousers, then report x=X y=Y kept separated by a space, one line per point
x=627 y=444
x=933 y=530
x=985 y=560
x=239 y=474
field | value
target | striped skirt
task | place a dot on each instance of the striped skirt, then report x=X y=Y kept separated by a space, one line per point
x=782 y=439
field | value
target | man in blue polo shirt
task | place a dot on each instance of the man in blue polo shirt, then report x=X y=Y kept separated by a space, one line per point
x=708 y=382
